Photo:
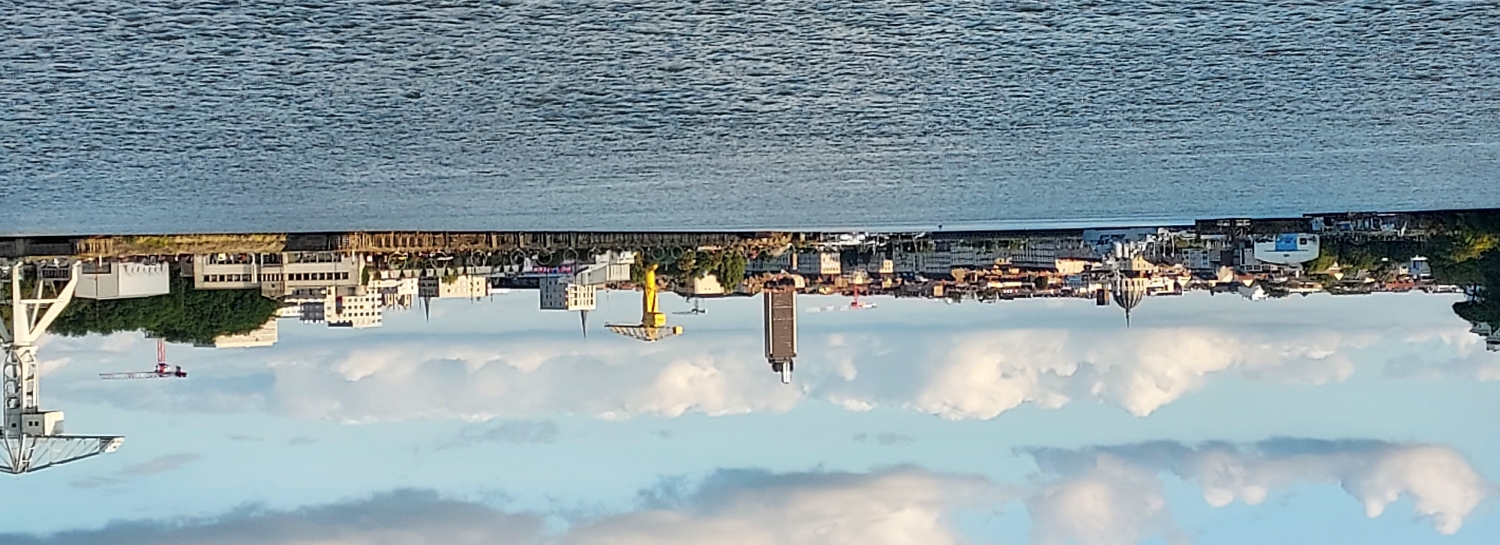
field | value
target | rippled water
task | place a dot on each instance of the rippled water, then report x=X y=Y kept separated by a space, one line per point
x=155 y=115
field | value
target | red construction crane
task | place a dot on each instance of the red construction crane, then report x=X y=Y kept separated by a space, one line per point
x=162 y=369
x=856 y=305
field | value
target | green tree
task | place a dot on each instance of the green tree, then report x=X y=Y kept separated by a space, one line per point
x=185 y=315
x=730 y=268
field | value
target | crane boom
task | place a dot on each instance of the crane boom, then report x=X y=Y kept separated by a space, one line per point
x=138 y=375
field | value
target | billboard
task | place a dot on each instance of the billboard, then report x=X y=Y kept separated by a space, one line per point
x=1288 y=248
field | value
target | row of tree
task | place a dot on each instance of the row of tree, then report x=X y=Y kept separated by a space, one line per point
x=185 y=315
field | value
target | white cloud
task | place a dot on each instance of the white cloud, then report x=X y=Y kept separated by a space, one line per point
x=955 y=371
x=894 y=507
x=904 y=506
x=1094 y=496
x=1444 y=487
x=1114 y=503
x=401 y=518
x=981 y=375
x=960 y=375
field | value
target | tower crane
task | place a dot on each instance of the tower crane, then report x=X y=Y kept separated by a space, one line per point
x=162 y=369
x=856 y=305
x=653 y=326
x=32 y=439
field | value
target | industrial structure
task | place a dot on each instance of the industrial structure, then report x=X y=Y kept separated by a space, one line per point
x=653 y=326
x=781 y=331
x=33 y=439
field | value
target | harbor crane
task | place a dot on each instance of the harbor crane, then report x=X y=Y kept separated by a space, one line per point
x=33 y=439
x=162 y=369
x=653 y=326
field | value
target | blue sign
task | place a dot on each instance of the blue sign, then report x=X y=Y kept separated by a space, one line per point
x=1286 y=243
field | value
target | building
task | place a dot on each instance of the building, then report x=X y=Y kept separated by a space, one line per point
x=294 y=274
x=265 y=336
x=1200 y=259
x=1252 y=291
x=781 y=331
x=119 y=280
x=1419 y=268
x=351 y=311
x=611 y=266
x=707 y=284
x=394 y=292
x=823 y=263
x=559 y=293
x=1288 y=249
x=464 y=286
x=786 y=262
x=354 y=311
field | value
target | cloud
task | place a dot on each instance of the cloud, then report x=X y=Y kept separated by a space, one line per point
x=900 y=506
x=955 y=375
x=1444 y=487
x=955 y=369
x=154 y=466
x=893 y=507
x=398 y=518
x=1110 y=495
x=1137 y=370
x=1113 y=503
x=885 y=439
x=515 y=432
x=1463 y=357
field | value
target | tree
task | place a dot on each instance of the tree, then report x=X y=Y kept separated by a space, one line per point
x=731 y=268
x=185 y=315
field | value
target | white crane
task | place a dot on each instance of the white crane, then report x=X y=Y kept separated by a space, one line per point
x=33 y=439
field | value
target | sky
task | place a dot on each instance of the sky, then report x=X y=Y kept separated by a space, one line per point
x=1211 y=419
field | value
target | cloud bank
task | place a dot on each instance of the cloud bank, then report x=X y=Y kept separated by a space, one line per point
x=1094 y=496
x=1444 y=487
x=958 y=375
x=895 y=507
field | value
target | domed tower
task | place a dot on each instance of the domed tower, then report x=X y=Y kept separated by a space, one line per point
x=1128 y=292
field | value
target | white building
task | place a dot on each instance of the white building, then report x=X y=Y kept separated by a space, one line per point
x=267 y=335
x=296 y=274
x=394 y=292
x=558 y=293
x=708 y=284
x=352 y=311
x=607 y=267
x=124 y=280
x=462 y=286
x=1419 y=268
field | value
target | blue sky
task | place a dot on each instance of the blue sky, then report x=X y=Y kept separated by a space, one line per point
x=975 y=423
